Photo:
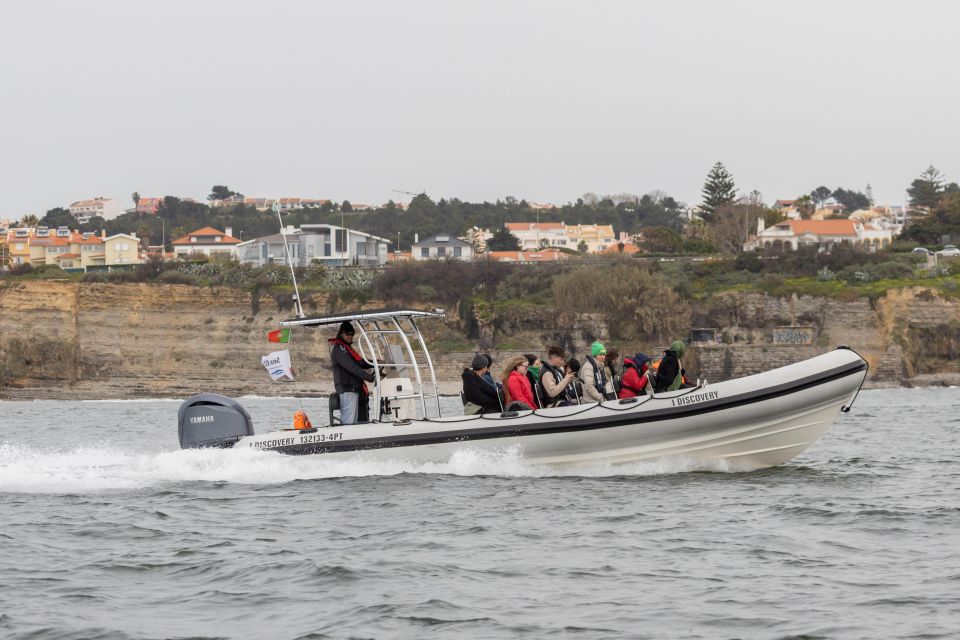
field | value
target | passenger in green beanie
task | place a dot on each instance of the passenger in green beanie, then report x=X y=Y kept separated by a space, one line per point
x=596 y=387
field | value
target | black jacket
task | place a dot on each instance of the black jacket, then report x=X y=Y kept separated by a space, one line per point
x=348 y=373
x=479 y=392
x=667 y=372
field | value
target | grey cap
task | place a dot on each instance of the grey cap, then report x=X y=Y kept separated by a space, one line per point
x=479 y=362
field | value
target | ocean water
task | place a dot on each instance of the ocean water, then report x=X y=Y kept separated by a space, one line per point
x=107 y=530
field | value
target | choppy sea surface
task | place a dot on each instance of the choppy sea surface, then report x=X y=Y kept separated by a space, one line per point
x=108 y=530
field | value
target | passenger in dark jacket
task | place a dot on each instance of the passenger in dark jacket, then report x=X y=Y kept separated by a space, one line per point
x=478 y=395
x=670 y=373
x=350 y=375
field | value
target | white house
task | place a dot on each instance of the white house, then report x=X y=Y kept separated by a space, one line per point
x=442 y=246
x=207 y=240
x=329 y=244
x=793 y=234
x=532 y=234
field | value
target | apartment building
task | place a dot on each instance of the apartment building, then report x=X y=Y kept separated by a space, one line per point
x=106 y=208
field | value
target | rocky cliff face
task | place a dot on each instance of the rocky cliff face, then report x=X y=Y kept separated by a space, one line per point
x=122 y=340
x=90 y=340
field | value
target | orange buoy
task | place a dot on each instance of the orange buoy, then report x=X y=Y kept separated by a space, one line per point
x=301 y=421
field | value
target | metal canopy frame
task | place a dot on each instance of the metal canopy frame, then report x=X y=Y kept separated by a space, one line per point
x=376 y=328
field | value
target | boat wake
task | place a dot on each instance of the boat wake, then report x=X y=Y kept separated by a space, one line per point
x=103 y=467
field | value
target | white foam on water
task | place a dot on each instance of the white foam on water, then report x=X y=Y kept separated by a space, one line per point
x=104 y=467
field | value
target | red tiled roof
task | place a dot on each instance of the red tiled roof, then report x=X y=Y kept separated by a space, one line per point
x=531 y=226
x=207 y=231
x=824 y=227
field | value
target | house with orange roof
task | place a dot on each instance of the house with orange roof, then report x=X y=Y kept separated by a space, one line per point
x=207 y=240
x=790 y=235
x=596 y=237
x=71 y=250
x=148 y=205
x=18 y=246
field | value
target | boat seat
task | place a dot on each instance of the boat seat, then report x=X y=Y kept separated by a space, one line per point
x=333 y=402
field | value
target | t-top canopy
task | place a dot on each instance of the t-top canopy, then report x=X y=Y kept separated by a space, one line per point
x=361 y=316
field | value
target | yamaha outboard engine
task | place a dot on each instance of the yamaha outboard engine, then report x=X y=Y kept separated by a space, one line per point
x=211 y=420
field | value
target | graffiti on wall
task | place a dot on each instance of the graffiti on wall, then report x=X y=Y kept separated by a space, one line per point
x=794 y=335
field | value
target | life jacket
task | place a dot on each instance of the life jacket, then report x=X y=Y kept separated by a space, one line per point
x=568 y=393
x=301 y=421
x=599 y=377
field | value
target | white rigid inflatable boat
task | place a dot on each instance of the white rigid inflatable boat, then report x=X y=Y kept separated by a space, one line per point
x=743 y=424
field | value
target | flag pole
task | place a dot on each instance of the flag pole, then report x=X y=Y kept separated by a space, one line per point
x=286 y=250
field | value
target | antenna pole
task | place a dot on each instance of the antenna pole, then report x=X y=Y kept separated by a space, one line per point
x=286 y=249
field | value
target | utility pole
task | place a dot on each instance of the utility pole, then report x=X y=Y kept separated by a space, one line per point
x=538 y=231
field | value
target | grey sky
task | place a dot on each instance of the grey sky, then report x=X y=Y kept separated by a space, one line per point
x=540 y=100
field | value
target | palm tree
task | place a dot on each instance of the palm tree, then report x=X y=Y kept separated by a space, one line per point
x=135 y=196
x=144 y=234
x=805 y=207
x=29 y=220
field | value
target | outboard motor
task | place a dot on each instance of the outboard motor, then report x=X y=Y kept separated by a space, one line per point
x=211 y=420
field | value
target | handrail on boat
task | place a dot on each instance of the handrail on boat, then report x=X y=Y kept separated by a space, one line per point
x=375 y=347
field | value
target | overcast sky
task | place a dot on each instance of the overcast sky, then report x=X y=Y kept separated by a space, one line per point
x=539 y=100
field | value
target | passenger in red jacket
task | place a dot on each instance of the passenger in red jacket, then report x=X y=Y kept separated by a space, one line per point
x=635 y=380
x=516 y=386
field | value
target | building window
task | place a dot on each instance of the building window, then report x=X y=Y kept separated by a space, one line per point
x=441 y=252
x=457 y=252
x=341 y=240
x=424 y=252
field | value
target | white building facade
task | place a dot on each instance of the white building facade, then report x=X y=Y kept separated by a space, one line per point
x=106 y=208
x=326 y=244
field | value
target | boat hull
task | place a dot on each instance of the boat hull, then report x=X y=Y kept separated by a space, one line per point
x=744 y=424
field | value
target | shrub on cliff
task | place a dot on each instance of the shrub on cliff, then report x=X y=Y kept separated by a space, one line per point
x=22 y=269
x=440 y=281
x=636 y=304
x=175 y=277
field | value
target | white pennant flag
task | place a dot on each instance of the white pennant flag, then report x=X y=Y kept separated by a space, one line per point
x=278 y=364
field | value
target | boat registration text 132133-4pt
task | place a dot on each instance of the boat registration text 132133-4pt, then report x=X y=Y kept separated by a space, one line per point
x=303 y=439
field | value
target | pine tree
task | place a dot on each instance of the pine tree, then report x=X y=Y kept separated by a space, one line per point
x=718 y=190
x=926 y=190
x=503 y=240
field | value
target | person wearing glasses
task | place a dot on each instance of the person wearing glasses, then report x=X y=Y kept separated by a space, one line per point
x=516 y=387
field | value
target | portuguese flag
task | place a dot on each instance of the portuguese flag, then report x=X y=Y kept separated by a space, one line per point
x=280 y=335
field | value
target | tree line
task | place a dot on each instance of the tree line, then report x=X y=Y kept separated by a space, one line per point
x=725 y=217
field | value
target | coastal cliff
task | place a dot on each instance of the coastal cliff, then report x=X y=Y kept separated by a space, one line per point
x=98 y=340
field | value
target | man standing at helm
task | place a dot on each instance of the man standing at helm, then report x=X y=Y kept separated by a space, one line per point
x=350 y=376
